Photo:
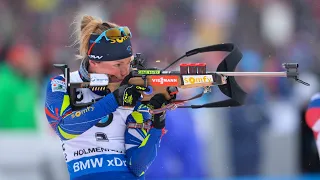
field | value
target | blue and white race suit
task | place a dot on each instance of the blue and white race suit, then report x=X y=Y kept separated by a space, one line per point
x=96 y=142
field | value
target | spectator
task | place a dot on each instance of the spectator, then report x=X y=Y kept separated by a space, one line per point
x=19 y=89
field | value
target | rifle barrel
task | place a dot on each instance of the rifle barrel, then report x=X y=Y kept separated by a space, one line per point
x=259 y=74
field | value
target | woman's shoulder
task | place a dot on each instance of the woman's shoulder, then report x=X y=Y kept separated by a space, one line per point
x=57 y=83
x=74 y=77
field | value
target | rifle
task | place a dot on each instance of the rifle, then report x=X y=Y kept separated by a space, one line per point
x=191 y=75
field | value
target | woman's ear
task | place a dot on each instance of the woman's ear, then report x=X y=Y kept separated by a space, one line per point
x=93 y=66
x=93 y=63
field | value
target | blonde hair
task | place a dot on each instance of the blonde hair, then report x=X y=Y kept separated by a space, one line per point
x=89 y=25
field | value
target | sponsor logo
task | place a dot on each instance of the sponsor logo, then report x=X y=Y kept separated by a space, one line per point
x=195 y=79
x=79 y=113
x=119 y=40
x=90 y=163
x=95 y=57
x=142 y=72
x=99 y=80
x=89 y=150
x=94 y=150
x=58 y=86
x=100 y=136
x=105 y=121
x=164 y=80
x=127 y=98
x=57 y=81
x=116 y=162
x=98 y=162
x=141 y=88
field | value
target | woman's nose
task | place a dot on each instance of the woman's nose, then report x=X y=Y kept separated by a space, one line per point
x=124 y=71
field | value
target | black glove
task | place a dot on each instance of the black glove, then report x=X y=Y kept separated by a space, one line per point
x=128 y=95
x=157 y=101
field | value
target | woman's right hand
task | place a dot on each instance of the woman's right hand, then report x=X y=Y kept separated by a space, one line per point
x=128 y=94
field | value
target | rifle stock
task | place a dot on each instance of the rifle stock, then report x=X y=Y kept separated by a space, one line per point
x=161 y=88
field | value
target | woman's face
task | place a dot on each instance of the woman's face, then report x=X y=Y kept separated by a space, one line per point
x=116 y=70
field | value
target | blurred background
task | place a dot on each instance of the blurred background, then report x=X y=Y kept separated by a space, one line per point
x=265 y=139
